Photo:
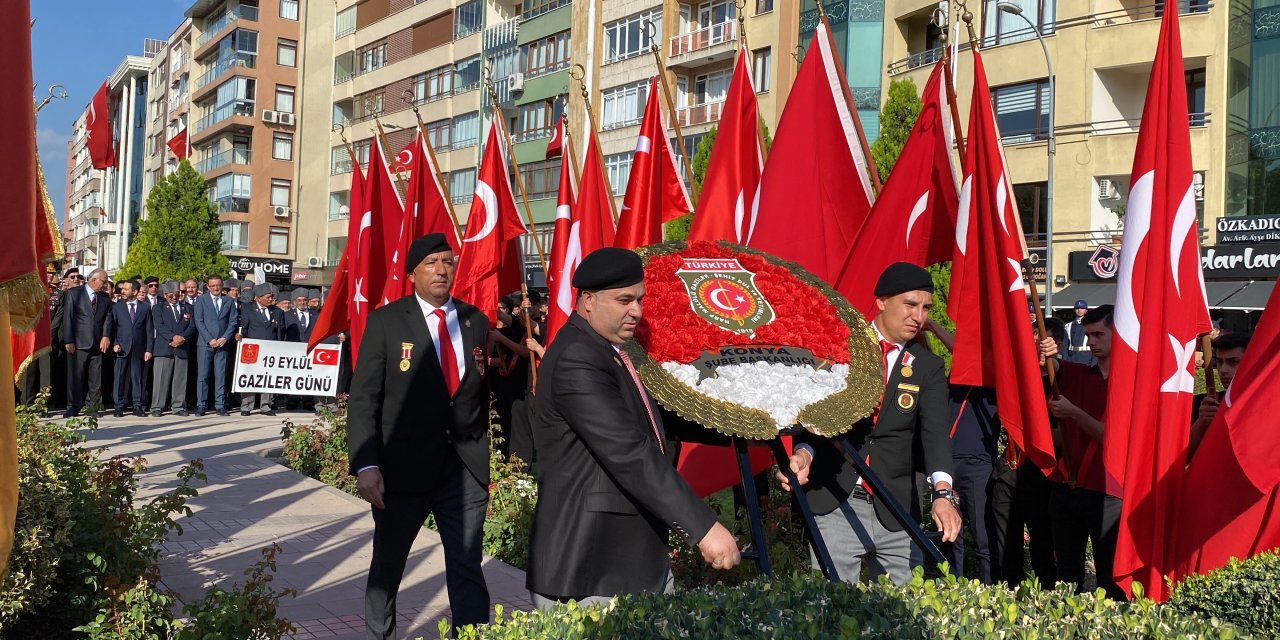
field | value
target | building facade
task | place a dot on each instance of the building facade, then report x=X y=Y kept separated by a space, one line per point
x=168 y=104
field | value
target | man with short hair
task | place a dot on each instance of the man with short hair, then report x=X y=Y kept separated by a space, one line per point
x=172 y=349
x=262 y=320
x=85 y=327
x=191 y=289
x=216 y=321
x=131 y=336
x=1228 y=350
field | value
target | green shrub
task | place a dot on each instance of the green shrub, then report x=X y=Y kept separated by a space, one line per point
x=1245 y=593
x=319 y=449
x=512 y=496
x=788 y=546
x=247 y=612
x=806 y=606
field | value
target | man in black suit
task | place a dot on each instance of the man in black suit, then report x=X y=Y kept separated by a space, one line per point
x=86 y=318
x=131 y=343
x=609 y=491
x=913 y=416
x=261 y=320
x=418 y=436
x=172 y=350
x=299 y=320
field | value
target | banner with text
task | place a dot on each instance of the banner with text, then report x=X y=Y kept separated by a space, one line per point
x=272 y=366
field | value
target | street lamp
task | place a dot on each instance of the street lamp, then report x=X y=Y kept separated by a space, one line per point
x=1012 y=8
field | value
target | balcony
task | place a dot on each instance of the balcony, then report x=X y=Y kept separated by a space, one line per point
x=1108 y=127
x=214 y=29
x=222 y=67
x=223 y=159
x=530 y=135
x=239 y=108
x=502 y=35
x=708 y=44
x=699 y=114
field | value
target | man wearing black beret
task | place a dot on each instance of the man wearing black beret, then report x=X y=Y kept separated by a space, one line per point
x=608 y=490
x=856 y=524
x=418 y=436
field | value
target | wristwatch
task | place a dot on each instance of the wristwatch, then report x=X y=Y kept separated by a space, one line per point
x=946 y=494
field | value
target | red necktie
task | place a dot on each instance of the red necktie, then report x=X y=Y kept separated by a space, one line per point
x=644 y=397
x=448 y=361
x=886 y=348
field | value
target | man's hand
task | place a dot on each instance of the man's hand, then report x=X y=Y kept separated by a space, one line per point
x=1061 y=407
x=800 y=461
x=947 y=518
x=1048 y=347
x=369 y=486
x=116 y=349
x=71 y=347
x=146 y=357
x=719 y=548
x=177 y=341
x=103 y=345
x=1208 y=410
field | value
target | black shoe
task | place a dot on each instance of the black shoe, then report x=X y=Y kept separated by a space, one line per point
x=200 y=412
x=156 y=413
x=223 y=412
x=268 y=412
x=183 y=412
x=119 y=413
x=67 y=415
x=244 y=413
x=139 y=412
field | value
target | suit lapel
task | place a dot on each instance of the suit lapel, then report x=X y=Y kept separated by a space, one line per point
x=423 y=351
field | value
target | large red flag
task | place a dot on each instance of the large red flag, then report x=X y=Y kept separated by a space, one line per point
x=1160 y=311
x=335 y=316
x=1231 y=505
x=594 y=207
x=566 y=253
x=994 y=346
x=730 y=194
x=489 y=265
x=102 y=147
x=426 y=210
x=655 y=191
x=913 y=220
x=815 y=193
x=376 y=234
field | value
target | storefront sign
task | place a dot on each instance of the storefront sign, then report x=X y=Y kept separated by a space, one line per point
x=247 y=267
x=300 y=276
x=1221 y=261
x=1250 y=229
x=1036 y=264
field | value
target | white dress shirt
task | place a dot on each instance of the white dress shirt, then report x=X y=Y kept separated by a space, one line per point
x=455 y=332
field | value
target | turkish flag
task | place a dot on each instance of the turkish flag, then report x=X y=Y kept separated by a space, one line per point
x=403 y=161
x=335 y=315
x=994 y=347
x=102 y=147
x=655 y=190
x=555 y=146
x=1231 y=502
x=815 y=193
x=566 y=253
x=324 y=357
x=490 y=264
x=1160 y=311
x=178 y=145
x=913 y=220
x=426 y=211
x=730 y=194
x=375 y=235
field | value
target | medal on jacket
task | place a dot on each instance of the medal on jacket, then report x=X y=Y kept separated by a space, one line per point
x=907 y=359
x=478 y=355
x=406 y=355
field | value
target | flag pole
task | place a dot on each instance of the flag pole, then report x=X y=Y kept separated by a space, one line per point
x=591 y=119
x=1210 y=379
x=876 y=185
x=952 y=106
x=407 y=96
x=382 y=140
x=524 y=197
x=671 y=108
x=743 y=49
x=351 y=153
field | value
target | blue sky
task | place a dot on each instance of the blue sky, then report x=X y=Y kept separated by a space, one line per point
x=78 y=43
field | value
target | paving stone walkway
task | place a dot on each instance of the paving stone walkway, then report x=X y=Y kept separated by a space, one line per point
x=251 y=501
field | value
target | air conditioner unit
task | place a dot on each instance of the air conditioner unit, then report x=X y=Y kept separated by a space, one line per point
x=315 y=262
x=280 y=212
x=1107 y=189
x=268 y=115
x=516 y=82
x=285 y=118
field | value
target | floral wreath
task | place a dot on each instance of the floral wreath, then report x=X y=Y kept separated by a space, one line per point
x=828 y=375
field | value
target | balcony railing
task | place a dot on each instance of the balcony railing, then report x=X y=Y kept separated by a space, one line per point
x=340 y=167
x=1106 y=127
x=699 y=113
x=502 y=35
x=240 y=60
x=177 y=101
x=237 y=108
x=703 y=38
x=229 y=156
x=540 y=8
x=212 y=29
x=532 y=134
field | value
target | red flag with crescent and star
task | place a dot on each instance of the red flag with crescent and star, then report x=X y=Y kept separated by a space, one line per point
x=1160 y=312
x=335 y=315
x=555 y=146
x=994 y=347
x=490 y=265
x=376 y=233
x=426 y=210
x=730 y=196
x=655 y=190
x=101 y=144
x=566 y=253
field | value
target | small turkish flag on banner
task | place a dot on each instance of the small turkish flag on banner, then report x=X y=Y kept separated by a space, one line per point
x=325 y=357
x=655 y=190
x=555 y=146
x=566 y=253
x=102 y=147
x=730 y=195
x=426 y=211
x=178 y=145
x=1160 y=312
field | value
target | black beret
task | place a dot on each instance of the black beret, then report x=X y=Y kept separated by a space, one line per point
x=151 y=279
x=608 y=268
x=901 y=277
x=423 y=247
x=68 y=272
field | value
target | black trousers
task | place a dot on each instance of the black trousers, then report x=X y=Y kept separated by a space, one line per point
x=128 y=371
x=459 y=505
x=974 y=482
x=1029 y=510
x=84 y=379
x=1081 y=516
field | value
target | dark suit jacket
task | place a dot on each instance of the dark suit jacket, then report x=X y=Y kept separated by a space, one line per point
x=902 y=442
x=82 y=323
x=607 y=494
x=402 y=420
x=132 y=336
x=293 y=329
x=166 y=328
x=214 y=322
x=255 y=326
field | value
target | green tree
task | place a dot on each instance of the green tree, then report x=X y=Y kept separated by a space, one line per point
x=180 y=238
x=896 y=119
x=941 y=273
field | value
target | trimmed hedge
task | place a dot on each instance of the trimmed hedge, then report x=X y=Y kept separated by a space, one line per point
x=1245 y=592
x=807 y=606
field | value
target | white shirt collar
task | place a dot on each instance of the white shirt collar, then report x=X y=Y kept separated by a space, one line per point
x=880 y=336
x=428 y=308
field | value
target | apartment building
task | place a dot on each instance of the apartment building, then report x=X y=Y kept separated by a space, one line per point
x=168 y=104
x=242 y=125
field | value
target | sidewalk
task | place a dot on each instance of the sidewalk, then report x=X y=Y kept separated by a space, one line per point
x=250 y=502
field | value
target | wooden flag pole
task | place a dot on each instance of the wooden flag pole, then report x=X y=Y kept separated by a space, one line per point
x=591 y=119
x=1210 y=372
x=742 y=50
x=524 y=197
x=382 y=140
x=671 y=108
x=435 y=165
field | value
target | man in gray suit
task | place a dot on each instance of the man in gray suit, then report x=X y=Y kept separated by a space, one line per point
x=175 y=330
x=216 y=320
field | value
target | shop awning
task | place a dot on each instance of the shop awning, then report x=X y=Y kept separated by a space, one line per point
x=1219 y=290
x=1095 y=293
x=1253 y=297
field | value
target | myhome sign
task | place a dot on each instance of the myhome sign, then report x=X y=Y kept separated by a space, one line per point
x=1250 y=262
x=246 y=267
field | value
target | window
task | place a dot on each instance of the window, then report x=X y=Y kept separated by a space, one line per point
x=466 y=19
x=618 y=168
x=629 y=36
x=231 y=192
x=438 y=134
x=278 y=241
x=541 y=179
x=1022 y=111
x=466 y=75
x=287 y=53
x=462 y=185
x=284 y=99
x=533 y=8
x=439 y=82
x=764 y=6
x=547 y=55
x=466 y=130
x=711 y=87
x=717 y=12
x=282 y=146
x=999 y=27
x=760 y=70
x=624 y=105
x=279 y=193
x=333 y=252
x=374 y=57
x=534 y=121
x=235 y=235
x=344 y=24
x=1195 y=96
x=339 y=205
x=289 y=9
x=1033 y=204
